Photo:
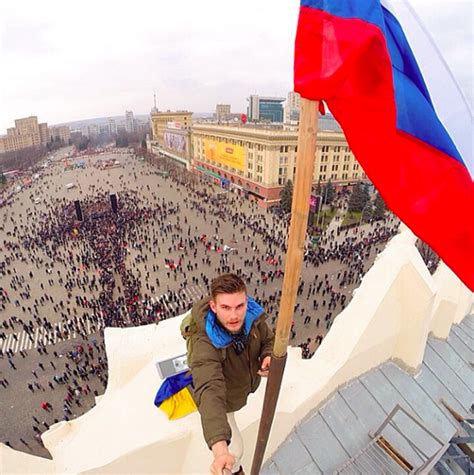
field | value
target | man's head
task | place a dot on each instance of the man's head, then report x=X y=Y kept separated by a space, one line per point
x=229 y=301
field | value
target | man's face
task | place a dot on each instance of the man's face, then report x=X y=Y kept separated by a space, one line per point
x=230 y=310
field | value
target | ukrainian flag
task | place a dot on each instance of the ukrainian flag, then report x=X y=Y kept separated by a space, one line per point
x=174 y=397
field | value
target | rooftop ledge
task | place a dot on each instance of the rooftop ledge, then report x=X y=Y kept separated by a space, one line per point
x=397 y=306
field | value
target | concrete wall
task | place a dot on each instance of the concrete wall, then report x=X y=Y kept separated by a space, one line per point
x=390 y=316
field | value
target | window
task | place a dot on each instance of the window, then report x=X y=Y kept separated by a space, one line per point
x=335 y=168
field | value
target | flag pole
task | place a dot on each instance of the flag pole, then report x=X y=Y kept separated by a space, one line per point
x=294 y=260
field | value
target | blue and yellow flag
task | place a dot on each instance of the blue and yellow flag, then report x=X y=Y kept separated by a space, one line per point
x=174 y=397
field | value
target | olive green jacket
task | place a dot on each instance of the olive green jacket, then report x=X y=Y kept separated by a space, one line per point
x=222 y=379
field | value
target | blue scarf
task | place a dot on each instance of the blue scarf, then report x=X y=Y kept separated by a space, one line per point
x=220 y=337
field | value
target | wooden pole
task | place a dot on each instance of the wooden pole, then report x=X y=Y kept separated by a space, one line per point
x=294 y=260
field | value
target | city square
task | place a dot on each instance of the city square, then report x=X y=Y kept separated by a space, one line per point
x=202 y=230
x=236 y=239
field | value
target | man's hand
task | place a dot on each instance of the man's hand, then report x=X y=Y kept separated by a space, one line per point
x=265 y=366
x=222 y=464
x=223 y=459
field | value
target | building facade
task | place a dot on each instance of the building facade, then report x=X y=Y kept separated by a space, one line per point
x=60 y=132
x=171 y=136
x=44 y=133
x=222 y=112
x=129 y=121
x=292 y=108
x=258 y=162
x=26 y=133
x=268 y=109
x=112 y=126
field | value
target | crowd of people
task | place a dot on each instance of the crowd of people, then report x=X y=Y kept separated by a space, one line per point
x=133 y=266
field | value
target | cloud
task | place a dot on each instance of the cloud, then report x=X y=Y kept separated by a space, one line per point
x=64 y=61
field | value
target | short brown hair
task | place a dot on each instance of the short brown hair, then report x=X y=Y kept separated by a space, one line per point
x=227 y=284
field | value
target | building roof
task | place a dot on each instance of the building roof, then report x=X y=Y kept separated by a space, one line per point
x=239 y=131
x=340 y=436
x=271 y=99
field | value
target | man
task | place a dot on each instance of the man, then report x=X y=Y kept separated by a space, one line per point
x=231 y=350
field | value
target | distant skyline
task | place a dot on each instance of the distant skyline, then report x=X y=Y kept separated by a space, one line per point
x=67 y=62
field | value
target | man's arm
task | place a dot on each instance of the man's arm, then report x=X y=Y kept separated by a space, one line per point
x=210 y=391
x=267 y=338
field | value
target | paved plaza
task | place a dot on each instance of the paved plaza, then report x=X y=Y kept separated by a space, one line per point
x=64 y=281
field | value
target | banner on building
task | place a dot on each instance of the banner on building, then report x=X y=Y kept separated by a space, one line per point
x=225 y=154
x=175 y=142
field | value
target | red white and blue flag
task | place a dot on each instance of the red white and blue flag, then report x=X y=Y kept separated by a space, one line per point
x=402 y=112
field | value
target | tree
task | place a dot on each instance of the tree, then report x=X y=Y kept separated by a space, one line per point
x=358 y=198
x=380 y=207
x=367 y=212
x=121 y=141
x=318 y=188
x=329 y=192
x=286 y=196
x=3 y=179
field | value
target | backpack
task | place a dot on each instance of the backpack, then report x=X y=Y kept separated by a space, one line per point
x=188 y=328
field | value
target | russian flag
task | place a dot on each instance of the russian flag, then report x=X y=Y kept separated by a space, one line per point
x=403 y=115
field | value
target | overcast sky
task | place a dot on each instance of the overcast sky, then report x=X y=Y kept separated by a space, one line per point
x=65 y=61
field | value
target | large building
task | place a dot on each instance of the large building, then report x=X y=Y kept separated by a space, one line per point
x=292 y=108
x=26 y=133
x=44 y=133
x=266 y=109
x=171 y=135
x=129 y=121
x=112 y=127
x=259 y=161
x=222 y=112
x=60 y=132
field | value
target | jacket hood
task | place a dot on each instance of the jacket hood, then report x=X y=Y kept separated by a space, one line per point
x=207 y=322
